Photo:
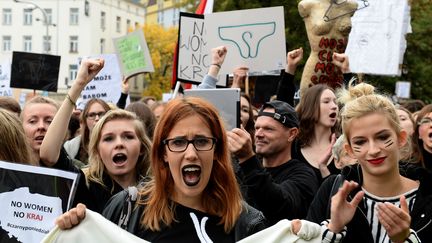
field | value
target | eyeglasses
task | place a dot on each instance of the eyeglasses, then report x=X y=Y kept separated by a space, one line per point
x=92 y=115
x=181 y=144
x=425 y=121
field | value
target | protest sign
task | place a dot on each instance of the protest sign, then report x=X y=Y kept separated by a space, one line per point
x=403 y=89
x=35 y=71
x=31 y=198
x=106 y=85
x=226 y=101
x=254 y=38
x=377 y=43
x=193 y=58
x=5 y=89
x=133 y=53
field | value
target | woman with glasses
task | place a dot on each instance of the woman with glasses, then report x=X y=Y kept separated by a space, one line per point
x=423 y=137
x=77 y=148
x=193 y=195
x=119 y=148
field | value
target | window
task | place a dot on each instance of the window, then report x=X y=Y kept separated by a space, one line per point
x=73 y=44
x=102 y=20
x=128 y=25
x=27 y=43
x=73 y=70
x=48 y=12
x=28 y=16
x=47 y=43
x=73 y=16
x=102 y=46
x=118 y=24
x=7 y=16
x=7 y=43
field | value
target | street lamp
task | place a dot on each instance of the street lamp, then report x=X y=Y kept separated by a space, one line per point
x=45 y=16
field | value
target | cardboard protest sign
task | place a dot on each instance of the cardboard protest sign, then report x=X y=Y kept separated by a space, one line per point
x=31 y=198
x=193 y=58
x=133 y=53
x=35 y=71
x=226 y=101
x=106 y=85
x=254 y=38
x=377 y=39
x=5 y=89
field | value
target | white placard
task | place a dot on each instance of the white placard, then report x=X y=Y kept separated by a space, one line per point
x=403 y=89
x=5 y=70
x=193 y=60
x=106 y=85
x=377 y=42
x=254 y=38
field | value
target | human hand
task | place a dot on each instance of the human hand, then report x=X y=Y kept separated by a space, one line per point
x=322 y=163
x=239 y=76
x=88 y=70
x=396 y=221
x=240 y=144
x=294 y=57
x=341 y=210
x=125 y=85
x=341 y=61
x=72 y=217
x=218 y=55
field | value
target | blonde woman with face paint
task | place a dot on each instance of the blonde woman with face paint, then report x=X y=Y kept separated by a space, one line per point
x=382 y=203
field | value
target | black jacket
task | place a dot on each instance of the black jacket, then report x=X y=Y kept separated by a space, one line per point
x=358 y=229
x=282 y=192
x=249 y=222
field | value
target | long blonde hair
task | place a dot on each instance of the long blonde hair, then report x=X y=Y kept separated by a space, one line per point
x=221 y=197
x=97 y=170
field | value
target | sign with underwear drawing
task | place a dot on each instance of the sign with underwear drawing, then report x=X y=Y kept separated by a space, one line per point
x=31 y=198
x=254 y=38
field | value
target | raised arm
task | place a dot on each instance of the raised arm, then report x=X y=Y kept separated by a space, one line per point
x=218 y=55
x=53 y=141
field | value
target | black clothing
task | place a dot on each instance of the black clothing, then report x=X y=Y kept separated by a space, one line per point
x=286 y=88
x=427 y=159
x=93 y=195
x=358 y=229
x=187 y=221
x=121 y=103
x=297 y=154
x=282 y=192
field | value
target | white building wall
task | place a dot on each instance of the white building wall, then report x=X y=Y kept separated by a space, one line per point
x=88 y=30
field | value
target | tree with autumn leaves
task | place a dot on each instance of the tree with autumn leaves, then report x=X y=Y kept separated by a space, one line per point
x=161 y=43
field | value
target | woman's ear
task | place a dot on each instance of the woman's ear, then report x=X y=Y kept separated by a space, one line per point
x=348 y=149
x=403 y=138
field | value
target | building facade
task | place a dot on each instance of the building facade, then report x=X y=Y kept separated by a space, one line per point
x=73 y=29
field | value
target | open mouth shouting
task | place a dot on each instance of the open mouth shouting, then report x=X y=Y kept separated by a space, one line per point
x=191 y=174
x=39 y=139
x=333 y=115
x=119 y=159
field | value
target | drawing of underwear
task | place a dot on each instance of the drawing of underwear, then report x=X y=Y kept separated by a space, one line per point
x=247 y=37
